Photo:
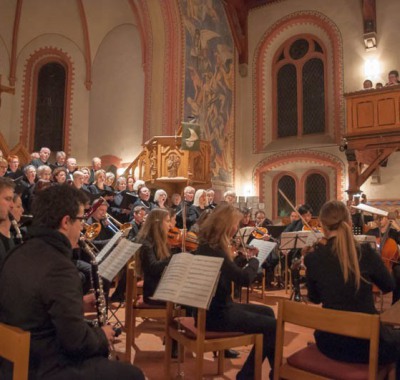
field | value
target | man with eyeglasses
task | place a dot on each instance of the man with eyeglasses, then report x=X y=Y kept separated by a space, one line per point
x=40 y=292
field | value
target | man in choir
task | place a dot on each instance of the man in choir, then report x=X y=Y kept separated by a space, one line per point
x=71 y=167
x=175 y=201
x=6 y=203
x=43 y=159
x=78 y=179
x=46 y=297
x=96 y=165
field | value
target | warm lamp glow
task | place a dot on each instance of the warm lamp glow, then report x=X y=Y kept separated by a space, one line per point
x=248 y=189
x=372 y=68
x=120 y=171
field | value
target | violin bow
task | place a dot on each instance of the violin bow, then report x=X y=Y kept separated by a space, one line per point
x=300 y=216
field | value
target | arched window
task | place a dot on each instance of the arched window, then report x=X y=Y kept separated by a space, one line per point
x=287 y=185
x=299 y=78
x=315 y=191
x=50 y=107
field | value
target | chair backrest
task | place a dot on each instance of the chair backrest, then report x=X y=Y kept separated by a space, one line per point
x=14 y=346
x=357 y=325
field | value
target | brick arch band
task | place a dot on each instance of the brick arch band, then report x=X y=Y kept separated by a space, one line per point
x=304 y=156
x=261 y=83
x=30 y=82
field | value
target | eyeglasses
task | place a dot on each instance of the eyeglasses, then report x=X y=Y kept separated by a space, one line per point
x=81 y=218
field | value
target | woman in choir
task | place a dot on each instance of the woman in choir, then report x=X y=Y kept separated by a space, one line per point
x=215 y=238
x=160 y=197
x=154 y=254
x=340 y=275
x=59 y=175
x=199 y=203
x=100 y=187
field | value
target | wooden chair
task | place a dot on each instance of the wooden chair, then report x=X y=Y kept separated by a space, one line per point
x=199 y=341
x=14 y=346
x=135 y=307
x=309 y=363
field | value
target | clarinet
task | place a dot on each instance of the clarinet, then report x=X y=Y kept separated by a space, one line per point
x=97 y=284
x=18 y=235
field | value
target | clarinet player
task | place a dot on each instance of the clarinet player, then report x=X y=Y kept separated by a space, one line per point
x=40 y=292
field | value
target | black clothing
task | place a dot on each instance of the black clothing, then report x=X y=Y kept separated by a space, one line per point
x=40 y=291
x=326 y=285
x=6 y=244
x=146 y=204
x=226 y=315
x=152 y=269
x=134 y=230
x=191 y=215
x=395 y=267
x=14 y=175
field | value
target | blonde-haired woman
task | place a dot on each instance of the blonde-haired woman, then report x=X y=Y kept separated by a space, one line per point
x=215 y=238
x=154 y=254
x=340 y=275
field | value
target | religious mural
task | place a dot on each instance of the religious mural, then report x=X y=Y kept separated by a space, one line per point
x=209 y=79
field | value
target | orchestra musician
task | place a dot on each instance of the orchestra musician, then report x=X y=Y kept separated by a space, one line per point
x=261 y=220
x=154 y=255
x=388 y=249
x=6 y=203
x=225 y=315
x=46 y=299
x=340 y=274
x=100 y=216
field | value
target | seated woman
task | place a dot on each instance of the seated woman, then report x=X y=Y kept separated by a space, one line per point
x=154 y=254
x=225 y=315
x=340 y=275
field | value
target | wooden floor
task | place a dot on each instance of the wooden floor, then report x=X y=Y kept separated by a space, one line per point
x=148 y=353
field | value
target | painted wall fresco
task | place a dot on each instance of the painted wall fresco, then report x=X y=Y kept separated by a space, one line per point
x=209 y=80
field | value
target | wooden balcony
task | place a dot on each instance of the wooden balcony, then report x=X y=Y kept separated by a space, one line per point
x=373 y=132
x=373 y=118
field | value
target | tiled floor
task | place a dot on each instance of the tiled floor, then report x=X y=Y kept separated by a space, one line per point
x=148 y=353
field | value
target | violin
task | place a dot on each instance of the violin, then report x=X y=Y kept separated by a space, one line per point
x=259 y=232
x=174 y=239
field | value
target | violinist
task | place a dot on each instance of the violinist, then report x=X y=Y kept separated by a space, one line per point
x=261 y=220
x=225 y=315
x=388 y=238
x=340 y=275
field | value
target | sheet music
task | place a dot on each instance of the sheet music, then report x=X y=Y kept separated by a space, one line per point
x=173 y=277
x=367 y=239
x=189 y=280
x=299 y=239
x=107 y=247
x=118 y=257
x=264 y=249
x=200 y=280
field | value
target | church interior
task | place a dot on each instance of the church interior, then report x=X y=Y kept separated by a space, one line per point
x=263 y=98
x=132 y=71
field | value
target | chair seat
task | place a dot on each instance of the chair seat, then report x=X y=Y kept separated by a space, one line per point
x=312 y=360
x=188 y=324
x=140 y=304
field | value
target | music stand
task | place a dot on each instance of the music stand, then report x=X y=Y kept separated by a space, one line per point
x=296 y=240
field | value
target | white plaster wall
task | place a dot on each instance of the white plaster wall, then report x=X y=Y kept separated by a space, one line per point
x=116 y=100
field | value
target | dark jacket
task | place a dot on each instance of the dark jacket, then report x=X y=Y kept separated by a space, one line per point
x=152 y=269
x=326 y=285
x=41 y=292
x=230 y=272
